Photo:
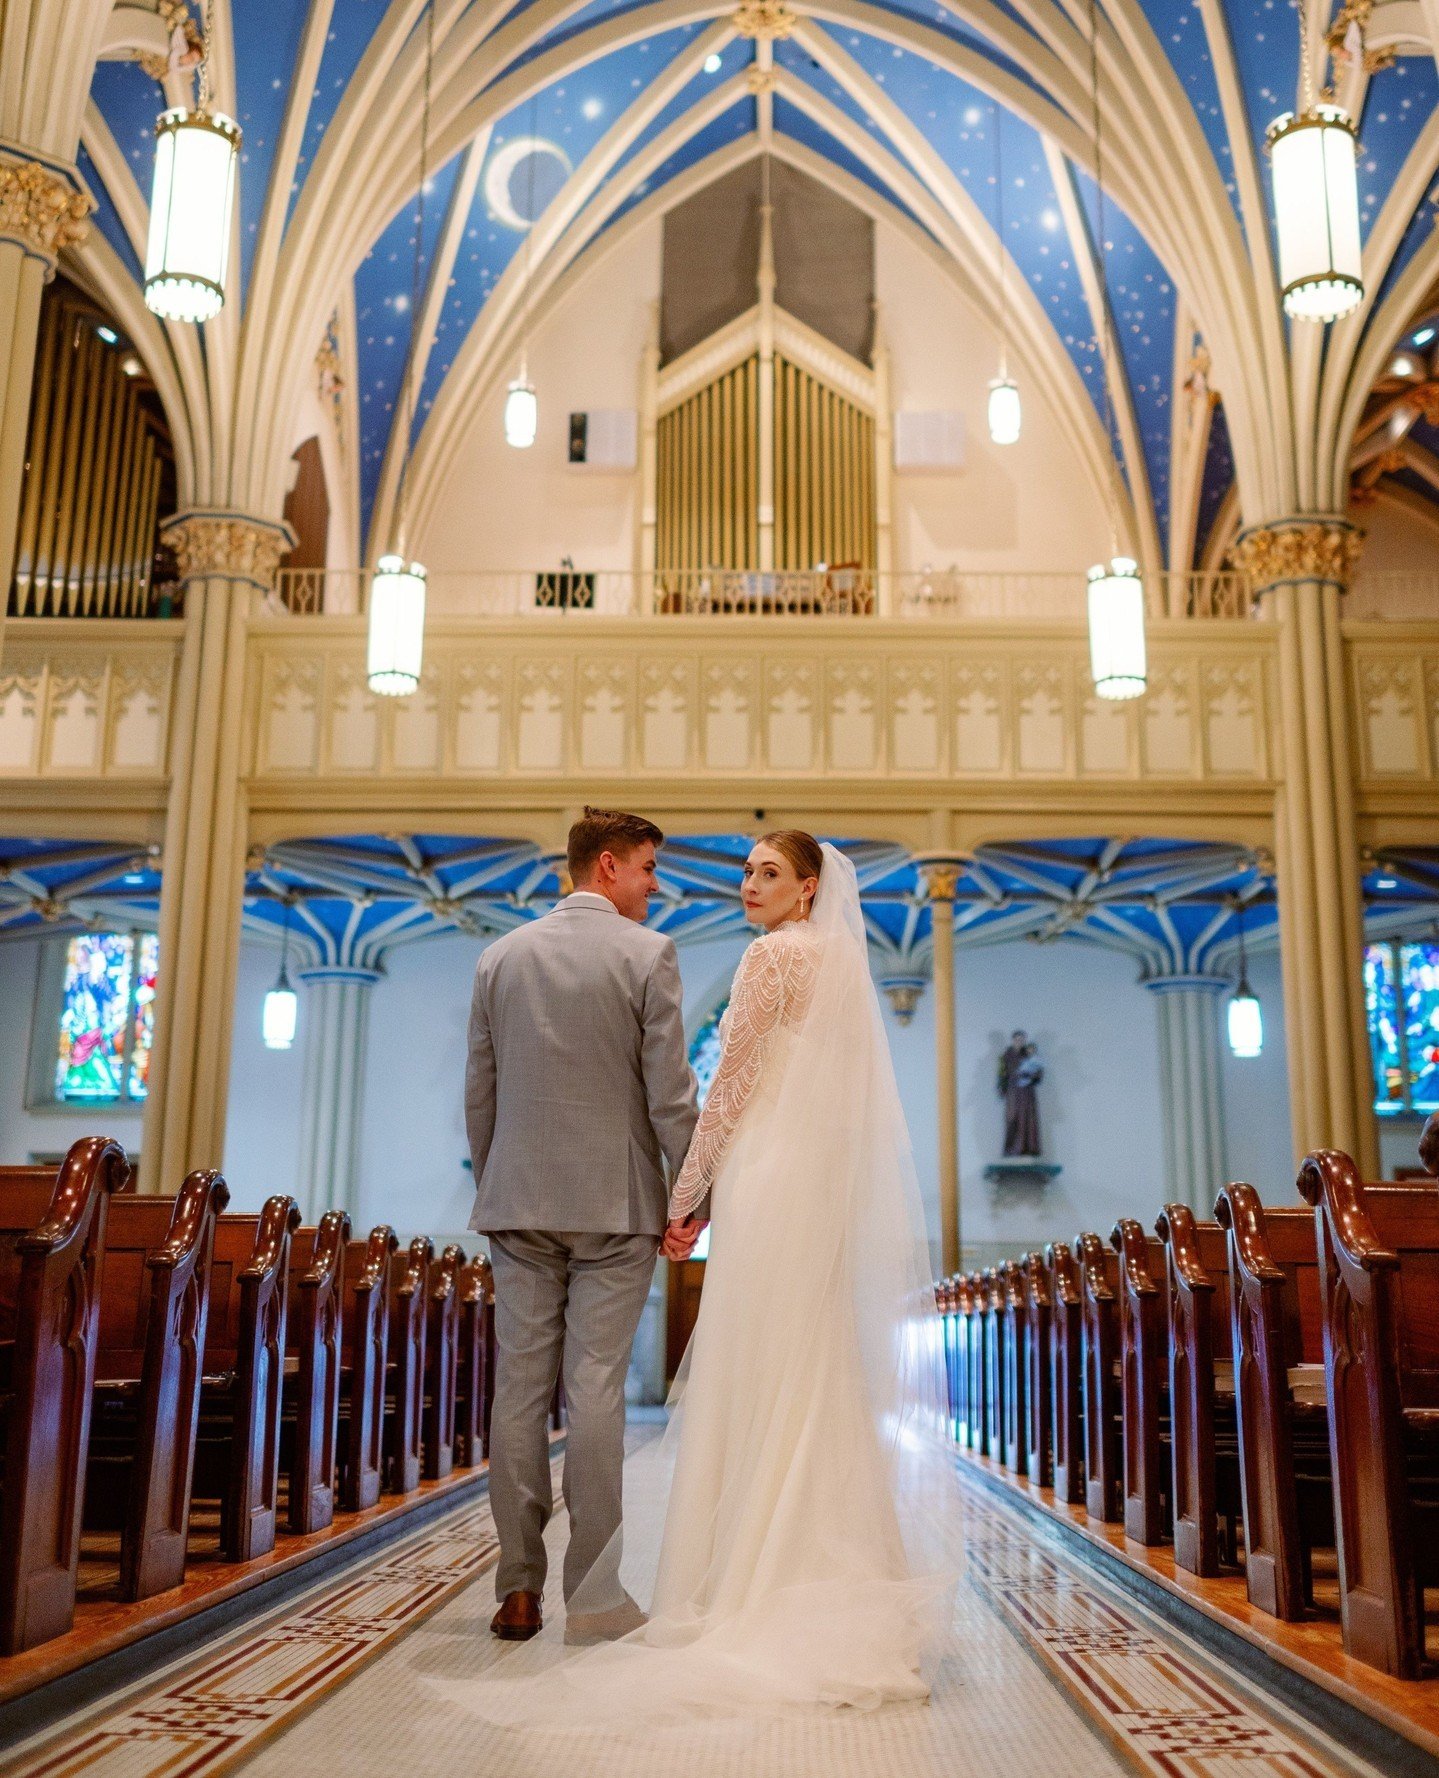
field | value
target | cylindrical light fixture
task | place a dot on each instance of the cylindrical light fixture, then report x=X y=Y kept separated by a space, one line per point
x=1118 y=662
x=1246 y=1023
x=1313 y=159
x=281 y=1012
x=397 y=626
x=191 y=200
x=1003 y=411
x=522 y=413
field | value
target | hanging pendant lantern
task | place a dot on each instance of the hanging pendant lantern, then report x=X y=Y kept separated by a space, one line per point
x=188 y=251
x=1246 y=1023
x=397 y=626
x=1004 y=416
x=280 y=1015
x=1118 y=661
x=522 y=413
x=1313 y=159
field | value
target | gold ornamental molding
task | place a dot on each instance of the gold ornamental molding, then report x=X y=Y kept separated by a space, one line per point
x=761 y=80
x=764 y=20
x=1296 y=550
x=227 y=546
x=41 y=208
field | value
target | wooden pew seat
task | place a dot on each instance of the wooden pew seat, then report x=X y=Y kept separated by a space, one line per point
x=52 y=1234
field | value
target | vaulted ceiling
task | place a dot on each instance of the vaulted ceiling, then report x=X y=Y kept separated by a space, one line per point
x=555 y=124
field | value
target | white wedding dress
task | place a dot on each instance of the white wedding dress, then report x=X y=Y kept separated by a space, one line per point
x=799 y=1567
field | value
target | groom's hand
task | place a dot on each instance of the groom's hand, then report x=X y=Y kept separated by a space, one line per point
x=681 y=1236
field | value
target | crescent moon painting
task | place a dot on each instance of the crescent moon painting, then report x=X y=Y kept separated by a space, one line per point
x=501 y=194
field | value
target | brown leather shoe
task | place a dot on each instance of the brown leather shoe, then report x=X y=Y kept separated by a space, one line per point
x=518 y=1617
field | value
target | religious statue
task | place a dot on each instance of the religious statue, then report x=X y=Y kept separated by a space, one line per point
x=1020 y=1073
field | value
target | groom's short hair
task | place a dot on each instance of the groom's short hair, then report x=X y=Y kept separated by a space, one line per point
x=606 y=830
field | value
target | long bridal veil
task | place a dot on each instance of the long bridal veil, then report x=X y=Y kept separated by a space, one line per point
x=802 y=1562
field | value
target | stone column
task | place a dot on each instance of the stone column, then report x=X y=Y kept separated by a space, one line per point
x=941 y=878
x=42 y=209
x=224 y=558
x=1300 y=568
x=1191 y=1087
x=335 y=1009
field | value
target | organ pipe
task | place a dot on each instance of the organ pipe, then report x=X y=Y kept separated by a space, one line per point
x=94 y=472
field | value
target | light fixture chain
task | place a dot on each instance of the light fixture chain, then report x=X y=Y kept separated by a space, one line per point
x=1103 y=338
x=1306 y=70
x=999 y=231
x=416 y=286
x=205 y=53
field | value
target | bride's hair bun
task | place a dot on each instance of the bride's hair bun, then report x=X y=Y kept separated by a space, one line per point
x=799 y=848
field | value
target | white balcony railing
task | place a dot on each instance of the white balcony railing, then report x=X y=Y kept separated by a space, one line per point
x=950 y=594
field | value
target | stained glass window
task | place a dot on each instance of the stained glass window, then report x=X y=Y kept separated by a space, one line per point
x=1401 y=996
x=107 y=1017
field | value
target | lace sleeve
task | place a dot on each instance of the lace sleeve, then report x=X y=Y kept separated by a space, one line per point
x=762 y=990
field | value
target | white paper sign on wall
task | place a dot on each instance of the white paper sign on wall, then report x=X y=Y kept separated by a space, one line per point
x=929 y=442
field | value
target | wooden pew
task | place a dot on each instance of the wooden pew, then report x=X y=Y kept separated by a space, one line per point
x=313 y=1342
x=1379 y=1283
x=476 y=1362
x=364 y=1361
x=1066 y=1346
x=1038 y=1370
x=1203 y=1424
x=993 y=1293
x=238 y=1451
x=1099 y=1286
x=154 y=1311
x=405 y=1389
x=52 y=1232
x=1015 y=1385
x=1143 y=1381
x=1277 y=1338
x=442 y=1350
x=976 y=1307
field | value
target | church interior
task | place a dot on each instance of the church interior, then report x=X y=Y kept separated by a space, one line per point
x=999 y=437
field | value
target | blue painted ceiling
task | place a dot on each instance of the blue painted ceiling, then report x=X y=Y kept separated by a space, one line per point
x=955 y=117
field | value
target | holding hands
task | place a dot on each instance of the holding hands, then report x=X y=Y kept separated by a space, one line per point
x=680 y=1237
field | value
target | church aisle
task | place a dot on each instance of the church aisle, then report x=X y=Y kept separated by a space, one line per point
x=1048 y=1674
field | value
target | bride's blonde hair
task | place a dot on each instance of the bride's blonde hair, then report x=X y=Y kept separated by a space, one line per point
x=797 y=848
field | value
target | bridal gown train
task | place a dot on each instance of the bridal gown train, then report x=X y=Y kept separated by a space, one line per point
x=796 y=1570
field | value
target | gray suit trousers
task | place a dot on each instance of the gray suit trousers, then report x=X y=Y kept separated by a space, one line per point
x=568 y=1302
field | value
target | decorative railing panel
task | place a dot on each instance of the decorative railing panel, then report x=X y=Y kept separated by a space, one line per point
x=86 y=700
x=1394 y=682
x=767 y=701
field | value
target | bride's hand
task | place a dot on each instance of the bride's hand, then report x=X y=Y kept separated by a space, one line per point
x=680 y=1237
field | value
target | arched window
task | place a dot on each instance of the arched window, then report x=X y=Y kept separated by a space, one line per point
x=101 y=1042
x=1401 y=995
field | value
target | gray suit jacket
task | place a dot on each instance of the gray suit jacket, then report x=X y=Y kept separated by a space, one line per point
x=578 y=1080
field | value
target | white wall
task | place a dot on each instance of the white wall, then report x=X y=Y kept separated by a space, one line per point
x=262 y=1135
x=1399 y=542
x=1024 y=507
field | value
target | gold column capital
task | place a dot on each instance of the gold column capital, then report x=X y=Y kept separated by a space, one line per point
x=213 y=545
x=1320 y=547
x=940 y=874
x=764 y=20
x=41 y=207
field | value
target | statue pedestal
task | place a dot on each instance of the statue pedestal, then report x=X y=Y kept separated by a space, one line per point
x=1022 y=1170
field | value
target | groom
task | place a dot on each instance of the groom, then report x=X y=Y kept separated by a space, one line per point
x=578 y=1083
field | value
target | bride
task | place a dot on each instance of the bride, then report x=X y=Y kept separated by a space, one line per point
x=810 y=1473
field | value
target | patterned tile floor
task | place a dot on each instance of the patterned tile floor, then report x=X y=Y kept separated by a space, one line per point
x=1047 y=1672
